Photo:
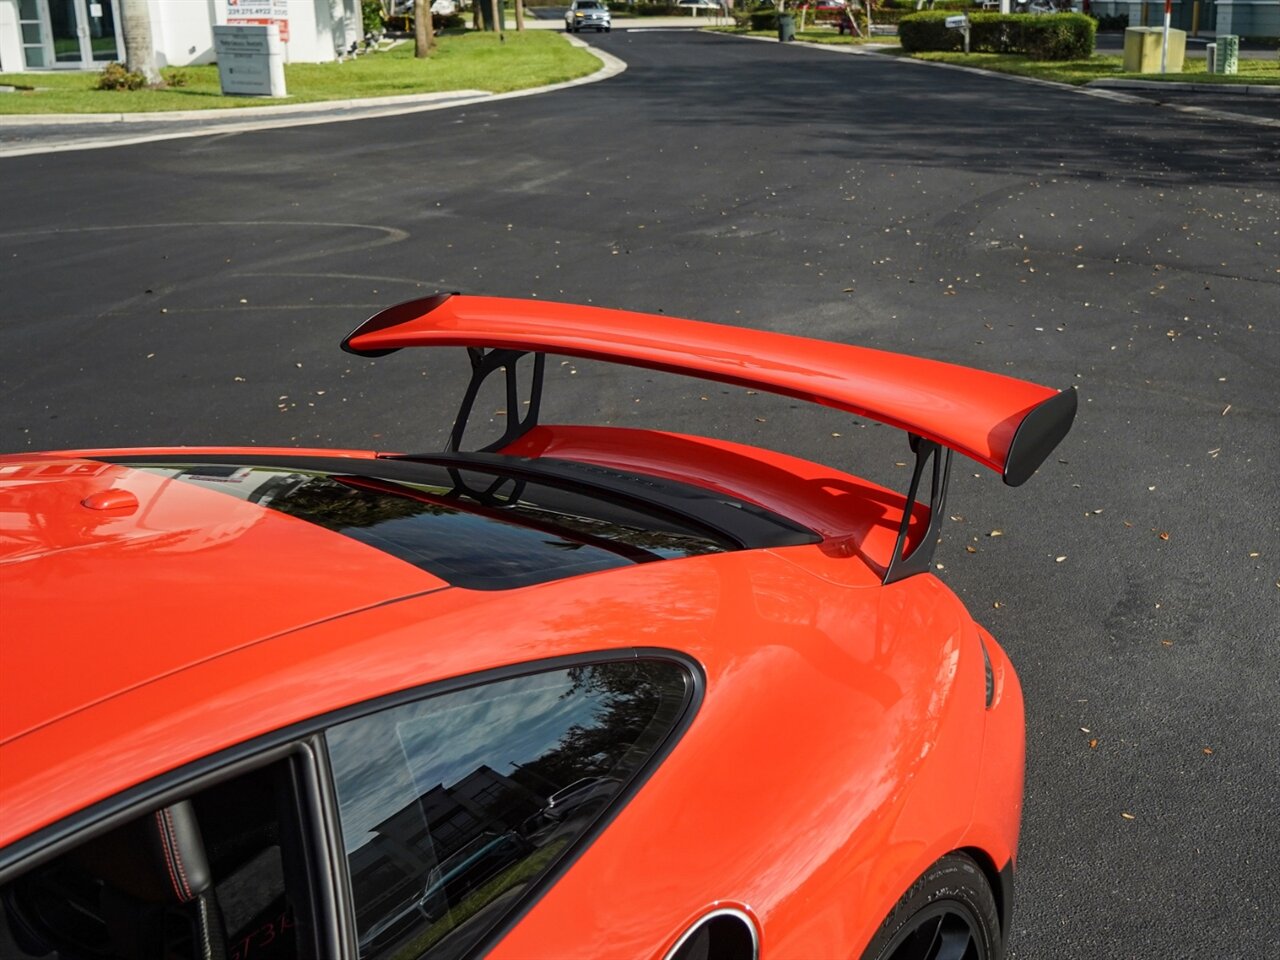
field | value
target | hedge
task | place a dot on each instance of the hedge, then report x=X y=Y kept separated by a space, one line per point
x=1052 y=36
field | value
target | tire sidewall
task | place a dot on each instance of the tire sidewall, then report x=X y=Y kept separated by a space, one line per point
x=954 y=884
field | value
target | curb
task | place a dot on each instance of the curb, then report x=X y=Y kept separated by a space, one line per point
x=227 y=113
x=270 y=118
x=1248 y=89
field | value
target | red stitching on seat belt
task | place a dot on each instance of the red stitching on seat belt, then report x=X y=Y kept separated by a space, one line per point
x=173 y=860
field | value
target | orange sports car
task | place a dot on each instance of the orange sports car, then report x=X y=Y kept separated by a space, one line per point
x=576 y=692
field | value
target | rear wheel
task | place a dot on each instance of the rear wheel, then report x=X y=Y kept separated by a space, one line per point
x=948 y=914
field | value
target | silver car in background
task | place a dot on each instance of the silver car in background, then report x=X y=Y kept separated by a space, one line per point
x=588 y=14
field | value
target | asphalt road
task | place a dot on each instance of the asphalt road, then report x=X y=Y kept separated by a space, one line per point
x=194 y=291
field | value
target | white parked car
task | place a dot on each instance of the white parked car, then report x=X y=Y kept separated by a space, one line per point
x=587 y=15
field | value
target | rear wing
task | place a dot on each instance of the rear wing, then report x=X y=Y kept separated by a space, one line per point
x=1005 y=424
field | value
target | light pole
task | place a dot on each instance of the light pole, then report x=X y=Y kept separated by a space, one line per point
x=1164 y=46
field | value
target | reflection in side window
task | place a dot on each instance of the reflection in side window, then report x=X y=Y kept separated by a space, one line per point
x=454 y=806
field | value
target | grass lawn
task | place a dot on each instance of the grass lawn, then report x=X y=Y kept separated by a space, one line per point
x=1100 y=66
x=1076 y=72
x=518 y=875
x=463 y=61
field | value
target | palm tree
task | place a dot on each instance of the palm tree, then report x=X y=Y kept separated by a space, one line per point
x=424 y=34
x=139 y=51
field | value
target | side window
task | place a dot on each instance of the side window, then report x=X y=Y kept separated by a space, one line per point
x=453 y=807
x=216 y=874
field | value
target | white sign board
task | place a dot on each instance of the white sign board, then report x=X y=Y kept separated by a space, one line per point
x=957 y=23
x=250 y=60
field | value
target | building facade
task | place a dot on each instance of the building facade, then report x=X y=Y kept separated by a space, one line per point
x=86 y=34
x=1244 y=18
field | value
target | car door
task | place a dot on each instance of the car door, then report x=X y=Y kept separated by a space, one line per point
x=412 y=826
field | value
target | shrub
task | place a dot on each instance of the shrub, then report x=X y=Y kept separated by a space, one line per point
x=373 y=17
x=1114 y=21
x=1060 y=36
x=114 y=76
x=764 y=19
x=882 y=17
x=1056 y=36
x=174 y=77
x=927 y=31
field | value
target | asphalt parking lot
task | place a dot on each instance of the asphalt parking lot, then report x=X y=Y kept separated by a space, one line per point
x=194 y=291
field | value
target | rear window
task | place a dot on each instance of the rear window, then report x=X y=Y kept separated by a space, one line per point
x=470 y=529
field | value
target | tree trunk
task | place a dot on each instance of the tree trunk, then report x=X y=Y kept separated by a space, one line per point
x=519 y=16
x=851 y=9
x=496 y=15
x=423 y=35
x=139 y=51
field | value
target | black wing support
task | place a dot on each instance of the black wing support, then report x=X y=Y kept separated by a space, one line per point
x=483 y=363
x=917 y=561
x=1040 y=431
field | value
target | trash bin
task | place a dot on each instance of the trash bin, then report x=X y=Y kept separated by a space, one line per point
x=1142 y=49
x=786 y=27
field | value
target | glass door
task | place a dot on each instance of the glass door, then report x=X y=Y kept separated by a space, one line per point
x=102 y=42
x=81 y=32
x=31 y=26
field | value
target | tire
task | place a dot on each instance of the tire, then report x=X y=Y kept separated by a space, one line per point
x=948 y=914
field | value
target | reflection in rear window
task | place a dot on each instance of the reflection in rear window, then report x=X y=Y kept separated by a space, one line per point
x=455 y=807
x=469 y=529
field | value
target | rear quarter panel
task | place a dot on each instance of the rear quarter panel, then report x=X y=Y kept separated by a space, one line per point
x=836 y=755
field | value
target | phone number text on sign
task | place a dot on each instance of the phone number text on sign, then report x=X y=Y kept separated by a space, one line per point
x=260 y=12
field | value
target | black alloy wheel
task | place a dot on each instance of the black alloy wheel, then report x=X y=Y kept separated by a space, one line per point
x=948 y=914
